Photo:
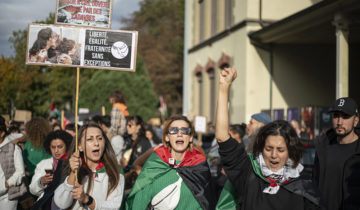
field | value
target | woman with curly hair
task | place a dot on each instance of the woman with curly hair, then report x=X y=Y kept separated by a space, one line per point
x=57 y=144
x=36 y=131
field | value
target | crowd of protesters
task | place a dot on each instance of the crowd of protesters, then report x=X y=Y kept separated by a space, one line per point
x=120 y=162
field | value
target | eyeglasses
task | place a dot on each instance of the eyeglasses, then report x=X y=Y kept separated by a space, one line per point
x=175 y=130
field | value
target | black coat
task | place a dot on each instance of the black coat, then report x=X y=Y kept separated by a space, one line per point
x=351 y=172
x=45 y=201
x=296 y=194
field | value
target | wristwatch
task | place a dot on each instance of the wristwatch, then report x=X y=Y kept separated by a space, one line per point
x=90 y=200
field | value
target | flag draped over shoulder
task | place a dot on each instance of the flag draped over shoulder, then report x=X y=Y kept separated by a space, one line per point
x=158 y=174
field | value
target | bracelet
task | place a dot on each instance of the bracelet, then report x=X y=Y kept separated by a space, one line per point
x=90 y=200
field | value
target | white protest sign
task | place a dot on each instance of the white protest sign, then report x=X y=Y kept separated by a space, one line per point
x=200 y=124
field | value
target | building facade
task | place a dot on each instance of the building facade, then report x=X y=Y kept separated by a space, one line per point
x=286 y=53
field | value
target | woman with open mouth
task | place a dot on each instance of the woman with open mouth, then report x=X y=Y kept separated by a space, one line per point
x=176 y=175
x=100 y=181
x=270 y=176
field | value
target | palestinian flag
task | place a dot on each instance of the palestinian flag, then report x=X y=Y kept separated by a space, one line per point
x=227 y=199
x=180 y=185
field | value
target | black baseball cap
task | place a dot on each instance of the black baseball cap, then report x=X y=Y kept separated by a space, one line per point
x=345 y=105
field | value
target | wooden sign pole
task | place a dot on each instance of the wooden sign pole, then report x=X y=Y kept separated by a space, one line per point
x=103 y=111
x=76 y=114
x=62 y=120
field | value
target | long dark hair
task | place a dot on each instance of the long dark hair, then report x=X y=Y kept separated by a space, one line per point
x=280 y=128
x=141 y=133
x=3 y=127
x=166 y=130
x=156 y=139
x=41 y=41
x=108 y=158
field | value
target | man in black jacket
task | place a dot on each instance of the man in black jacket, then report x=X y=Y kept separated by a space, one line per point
x=337 y=161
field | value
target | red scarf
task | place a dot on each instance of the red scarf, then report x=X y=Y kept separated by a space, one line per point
x=98 y=167
x=274 y=182
x=190 y=158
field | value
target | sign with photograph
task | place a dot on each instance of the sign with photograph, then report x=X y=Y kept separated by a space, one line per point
x=200 y=124
x=93 y=13
x=81 y=47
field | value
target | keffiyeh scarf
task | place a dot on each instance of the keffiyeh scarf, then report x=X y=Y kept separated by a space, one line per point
x=279 y=177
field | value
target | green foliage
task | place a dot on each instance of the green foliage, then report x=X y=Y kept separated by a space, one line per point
x=9 y=81
x=161 y=33
x=35 y=87
x=140 y=98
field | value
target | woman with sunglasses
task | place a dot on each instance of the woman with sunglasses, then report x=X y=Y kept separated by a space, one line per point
x=176 y=175
x=271 y=176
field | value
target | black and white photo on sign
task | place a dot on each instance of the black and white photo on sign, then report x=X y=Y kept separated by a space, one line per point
x=81 y=47
x=53 y=45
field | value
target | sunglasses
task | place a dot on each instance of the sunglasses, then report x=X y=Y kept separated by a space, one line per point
x=175 y=130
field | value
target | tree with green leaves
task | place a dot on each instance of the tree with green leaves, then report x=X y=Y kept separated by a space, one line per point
x=137 y=88
x=35 y=87
x=161 y=32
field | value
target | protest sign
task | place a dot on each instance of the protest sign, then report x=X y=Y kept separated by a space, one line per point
x=200 y=124
x=22 y=116
x=6 y=117
x=81 y=47
x=93 y=13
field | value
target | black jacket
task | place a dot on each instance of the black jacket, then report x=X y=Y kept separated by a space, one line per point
x=142 y=145
x=350 y=193
x=296 y=194
x=45 y=201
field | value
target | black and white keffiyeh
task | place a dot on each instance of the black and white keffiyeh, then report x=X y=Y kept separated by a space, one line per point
x=280 y=176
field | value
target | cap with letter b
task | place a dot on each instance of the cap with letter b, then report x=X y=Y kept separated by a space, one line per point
x=345 y=105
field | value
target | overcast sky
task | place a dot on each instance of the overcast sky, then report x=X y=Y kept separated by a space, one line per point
x=17 y=14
